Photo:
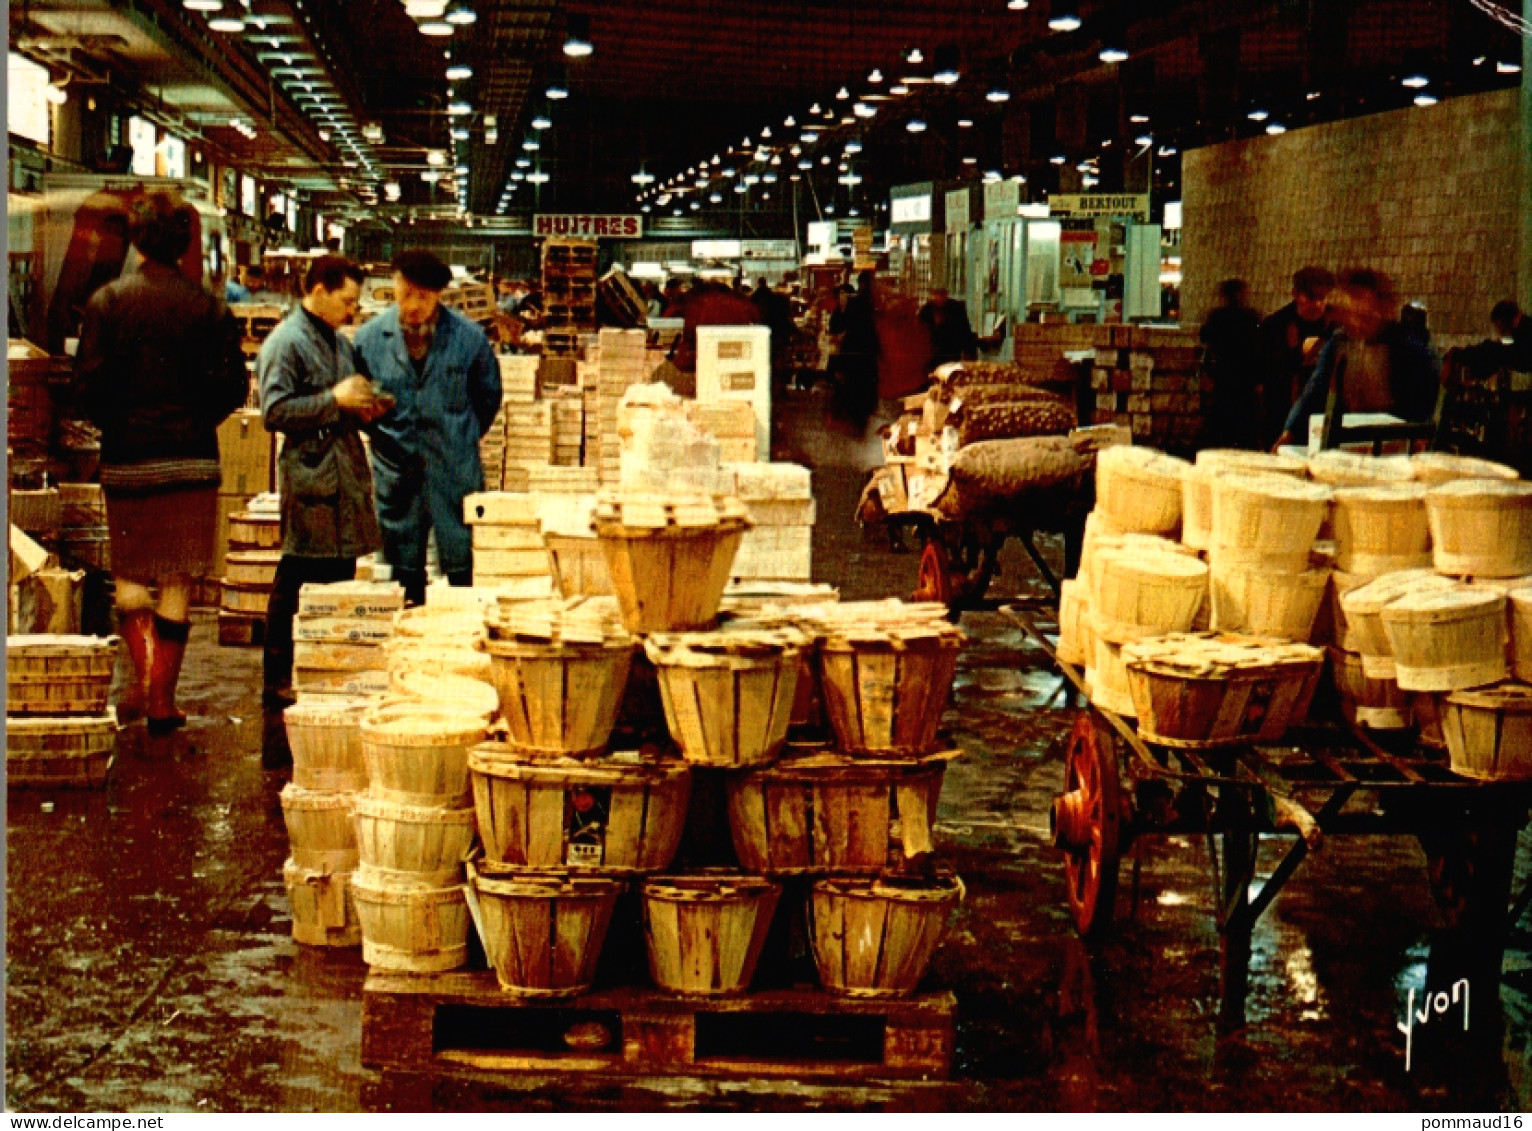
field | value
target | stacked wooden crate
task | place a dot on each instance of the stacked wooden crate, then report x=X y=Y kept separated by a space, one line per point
x=529 y=433
x=518 y=378
x=59 y=730
x=569 y=285
x=492 y=450
x=622 y=366
x=568 y=425
x=338 y=637
x=732 y=424
x=254 y=540
x=780 y=500
x=734 y=364
x=1149 y=379
x=508 y=550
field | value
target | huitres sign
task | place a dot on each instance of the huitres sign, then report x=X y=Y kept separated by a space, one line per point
x=579 y=225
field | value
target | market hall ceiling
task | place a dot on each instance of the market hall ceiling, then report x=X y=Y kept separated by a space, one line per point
x=671 y=83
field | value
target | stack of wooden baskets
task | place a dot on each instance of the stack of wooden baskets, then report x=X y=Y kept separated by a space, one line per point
x=414 y=830
x=1414 y=571
x=59 y=730
x=250 y=569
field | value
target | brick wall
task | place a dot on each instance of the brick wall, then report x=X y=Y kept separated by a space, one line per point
x=1429 y=195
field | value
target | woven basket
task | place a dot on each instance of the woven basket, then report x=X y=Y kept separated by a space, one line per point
x=875 y=938
x=324 y=914
x=1262 y=603
x=1363 y=608
x=326 y=740
x=1268 y=521
x=705 y=931
x=579 y=566
x=670 y=579
x=887 y=689
x=1351 y=469
x=1163 y=592
x=543 y=930
x=68 y=751
x=560 y=698
x=418 y=755
x=58 y=675
x=1377 y=704
x=1481 y=527
x=1139 y=489
x=426 y=844
x=320 y=828
x=546 y=812
x=1381 y=529
x=1489 y=732
x=1432 y=468
x=1447 y=640
x=411 y=930
x=1197 y=486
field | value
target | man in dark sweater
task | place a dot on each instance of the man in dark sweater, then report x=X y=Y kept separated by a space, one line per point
x=1290 y=342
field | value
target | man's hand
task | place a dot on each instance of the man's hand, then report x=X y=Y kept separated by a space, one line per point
x=355 y=395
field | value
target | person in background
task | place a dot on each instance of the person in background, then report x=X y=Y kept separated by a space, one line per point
x=1232 y=335
x=1290 y=342
x=235 y=291
x=1377 y=366
x=855 y=364
x=509 y=296
x=1412 y=320
x=1508 y=347
x=775 y=312
x=674 y=298
x=312 y=394
x=952 y=337
x=441 y=372
x=260 y=290
x=159 y=367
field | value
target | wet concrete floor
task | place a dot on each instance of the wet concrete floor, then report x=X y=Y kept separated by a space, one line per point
x=149 y=964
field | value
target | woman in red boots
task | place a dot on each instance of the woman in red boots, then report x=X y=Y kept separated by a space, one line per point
x=159 y=367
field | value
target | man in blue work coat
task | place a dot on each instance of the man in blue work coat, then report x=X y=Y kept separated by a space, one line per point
x=441 y=371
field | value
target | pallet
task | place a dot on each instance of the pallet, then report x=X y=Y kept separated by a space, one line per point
x=239 y=630
x=464 y=1021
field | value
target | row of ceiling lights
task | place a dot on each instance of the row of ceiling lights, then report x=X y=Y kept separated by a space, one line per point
x=577 y=45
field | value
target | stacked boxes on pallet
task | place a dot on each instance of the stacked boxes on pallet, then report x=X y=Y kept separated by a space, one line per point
x=59 y=730
x=568 y=426
x=1151 y=381
x=569 y=285
x=338 y=637
x=621 y=367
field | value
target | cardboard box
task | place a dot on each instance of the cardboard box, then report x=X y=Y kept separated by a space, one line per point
x=247 y=454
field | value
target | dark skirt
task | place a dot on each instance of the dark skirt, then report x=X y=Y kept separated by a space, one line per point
x=162 y=534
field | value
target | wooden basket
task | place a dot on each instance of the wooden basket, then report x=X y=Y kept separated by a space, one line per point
x=1142 y=545
x=1426 y=711
x=705 y=931
x=412 y=684
x=326 y=740
x=728 y=696
x=1432 y=468
x=546 y=813
x=1261 y=603
x=1519 y=606
x=320 y=828
x=1363 y=608
x=1377 y=704
x=579 y=566
x=669 y=578
x=437 y=658
x=560 y=698
x=1139 y=489
x=411 y=929
x=875 y=938
x=1208 y=690
x=886 y=688
x=1162 y=592
x=1074 y=607
x=1447 y=640
x=419 y=755
x=543 y=930
x=828 y=814
x=252 y=567
x=324 y=914
x=1489 y=732
x=255 y=532
x=1109 y=687
x=72 y=751
x=411 y=841
x=58 y=675
x=1481 y=527
x=250 y=600
x=1352 y=469
x=1381 y=529
x=1267 y=520
x=1197 y=486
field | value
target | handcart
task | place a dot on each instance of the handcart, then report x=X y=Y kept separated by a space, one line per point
x=1120 y=789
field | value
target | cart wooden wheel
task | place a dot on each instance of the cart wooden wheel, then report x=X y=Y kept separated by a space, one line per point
x=1087 y=823
x=936 y=581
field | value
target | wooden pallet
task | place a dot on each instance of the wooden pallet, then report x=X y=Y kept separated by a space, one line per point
x=238 y=629
x=464 y=1021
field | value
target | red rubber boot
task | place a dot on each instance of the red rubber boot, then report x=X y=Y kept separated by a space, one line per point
x=138 y=639
x=169 y=650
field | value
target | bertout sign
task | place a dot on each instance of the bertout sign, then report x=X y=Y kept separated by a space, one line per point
x=1100 y=204
x=582 y=226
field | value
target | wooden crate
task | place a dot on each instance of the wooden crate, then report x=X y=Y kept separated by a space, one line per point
x=441 y=1021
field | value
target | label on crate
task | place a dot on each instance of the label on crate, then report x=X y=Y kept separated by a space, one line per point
x=586 y=814
x=734 y=351
x=738 y=382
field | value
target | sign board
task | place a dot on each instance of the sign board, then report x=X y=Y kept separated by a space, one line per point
x=716 y=249
x=1101 y=204
x=769 y=249
x=822 y=237
x=910 y=210
x=958 y=204
x=1001 y=199
x=579 y=225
